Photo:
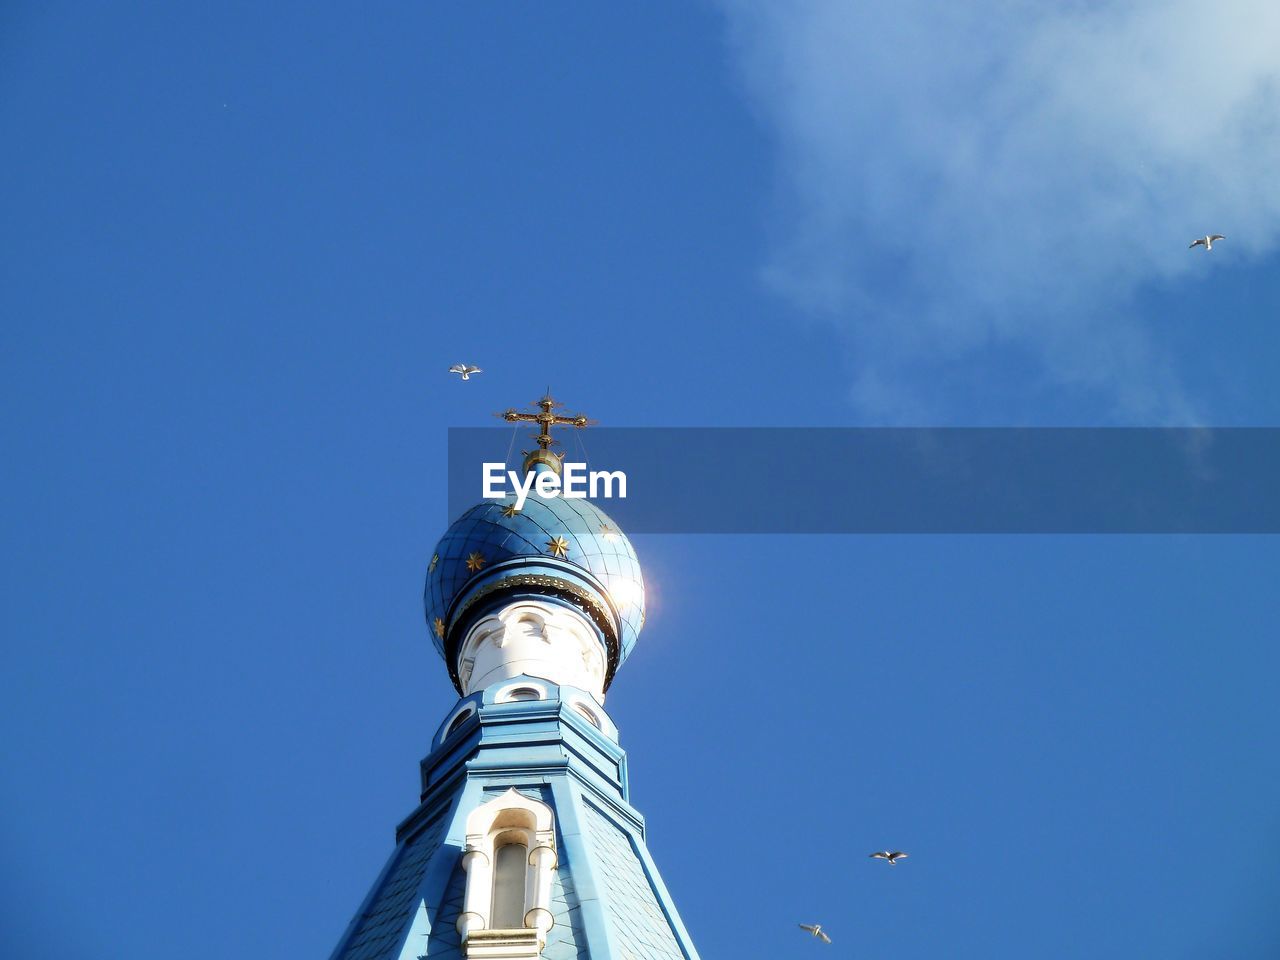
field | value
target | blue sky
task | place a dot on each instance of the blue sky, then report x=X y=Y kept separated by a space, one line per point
x=240 y=247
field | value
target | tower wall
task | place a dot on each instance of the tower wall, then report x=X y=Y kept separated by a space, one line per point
x=606 y=897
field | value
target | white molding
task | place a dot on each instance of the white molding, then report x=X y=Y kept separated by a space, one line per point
x=525 y=944
x=536 y=638
x=504 y=695
x=588 y=712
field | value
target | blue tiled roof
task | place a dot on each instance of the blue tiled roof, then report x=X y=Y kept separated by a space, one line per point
x=640 y=928
x=380 y=928
x=444 y=942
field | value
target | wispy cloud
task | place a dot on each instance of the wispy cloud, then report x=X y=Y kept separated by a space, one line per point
x=996 y=179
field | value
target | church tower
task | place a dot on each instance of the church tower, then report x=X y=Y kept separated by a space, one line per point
x=524 y=842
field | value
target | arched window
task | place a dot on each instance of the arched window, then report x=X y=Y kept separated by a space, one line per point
x=458 y=721
x=524 y=693
x=587 y=715
x=509 y=865
x=510 y=862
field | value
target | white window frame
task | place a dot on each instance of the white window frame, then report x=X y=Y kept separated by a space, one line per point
x=510 y=818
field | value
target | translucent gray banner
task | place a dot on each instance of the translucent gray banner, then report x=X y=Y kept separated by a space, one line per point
x=910 y=480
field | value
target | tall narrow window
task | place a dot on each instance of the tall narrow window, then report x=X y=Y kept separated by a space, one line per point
x=510 y=862
x=508 y=886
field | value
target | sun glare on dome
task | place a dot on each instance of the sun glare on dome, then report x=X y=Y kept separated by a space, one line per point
x=626 y=592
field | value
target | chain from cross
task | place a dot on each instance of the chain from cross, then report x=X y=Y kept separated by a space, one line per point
x=546 y=419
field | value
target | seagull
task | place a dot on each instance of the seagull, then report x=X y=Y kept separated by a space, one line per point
x=816 y=930
x=466 y=370
x=1206 y=242
x=893 y=857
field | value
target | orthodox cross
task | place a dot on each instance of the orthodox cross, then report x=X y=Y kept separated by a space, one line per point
x=546 y=419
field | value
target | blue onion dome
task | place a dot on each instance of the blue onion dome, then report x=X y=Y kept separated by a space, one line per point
x=565 y=550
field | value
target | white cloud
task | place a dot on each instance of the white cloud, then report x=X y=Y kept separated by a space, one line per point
x=969 y=180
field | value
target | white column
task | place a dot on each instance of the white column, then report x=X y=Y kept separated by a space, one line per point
x=479 y=891
x=543 y=860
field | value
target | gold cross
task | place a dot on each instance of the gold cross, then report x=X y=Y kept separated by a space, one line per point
x=545 y=420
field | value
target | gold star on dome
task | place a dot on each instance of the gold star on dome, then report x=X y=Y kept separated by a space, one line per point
x=475 y=561
x=438 y=626
x=510 y=510
x=608 y=532
x=435 y=558
x=559 y=547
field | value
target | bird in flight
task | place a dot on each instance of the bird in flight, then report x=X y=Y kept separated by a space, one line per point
x=816 y=930
x=893 y=857
x=1206 y=242
x=465 y=370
